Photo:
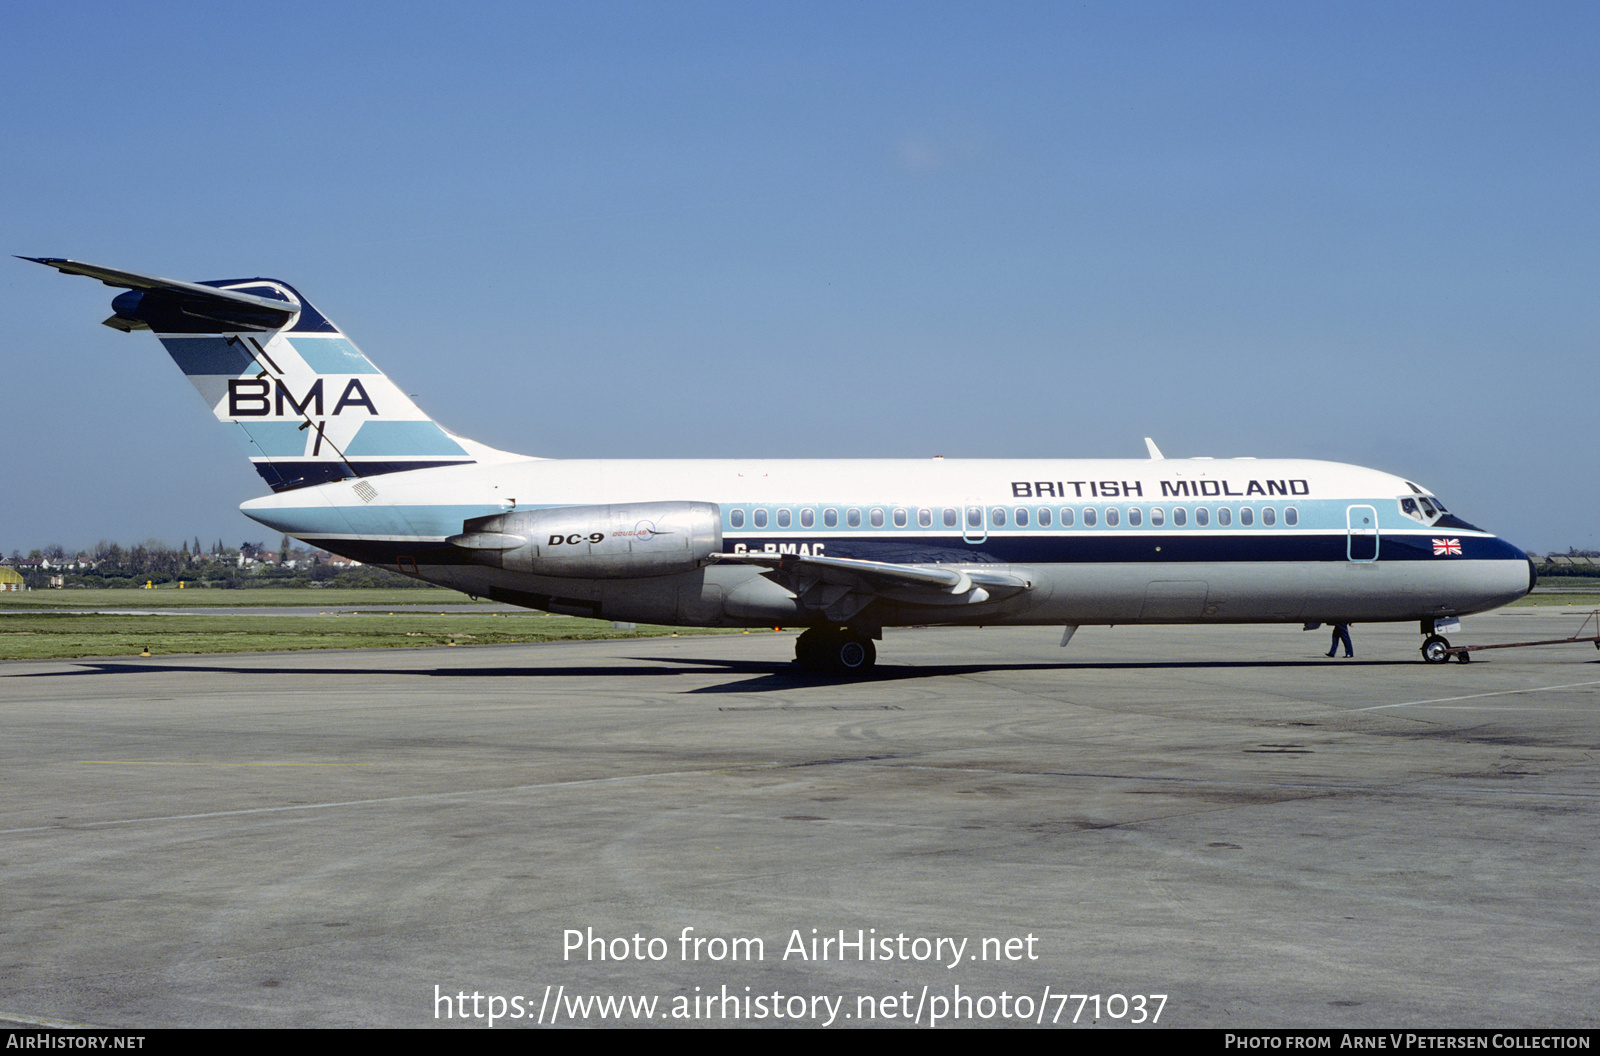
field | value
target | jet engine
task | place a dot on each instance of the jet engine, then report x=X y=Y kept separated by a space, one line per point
x=623 y=541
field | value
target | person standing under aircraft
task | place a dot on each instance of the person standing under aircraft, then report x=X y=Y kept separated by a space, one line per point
x=1341 y=633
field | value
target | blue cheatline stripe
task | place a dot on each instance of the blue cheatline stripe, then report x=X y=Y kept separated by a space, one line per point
x=209 y=355
x=332 y=355
x=274 y=439
x=401 y=439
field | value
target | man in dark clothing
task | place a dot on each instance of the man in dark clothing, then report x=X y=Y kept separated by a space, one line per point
x=1341 y=633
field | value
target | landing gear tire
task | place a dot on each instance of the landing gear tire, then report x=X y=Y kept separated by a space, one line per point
x=806 y=649
x=853 y=655
x=1436 y=649
x=835 y=652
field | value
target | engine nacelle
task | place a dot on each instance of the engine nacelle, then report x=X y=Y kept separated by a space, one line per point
x=622 y=541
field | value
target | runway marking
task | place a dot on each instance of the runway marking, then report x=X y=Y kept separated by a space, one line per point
x=41 y=1021
x=376 y=802
x=1476 y=696
x=158 y=762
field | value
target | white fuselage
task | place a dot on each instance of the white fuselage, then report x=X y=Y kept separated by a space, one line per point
x=1095 y=541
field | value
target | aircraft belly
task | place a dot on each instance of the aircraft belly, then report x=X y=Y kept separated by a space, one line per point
x=1175 y=600
x=1271 y=592
x=1221 y=592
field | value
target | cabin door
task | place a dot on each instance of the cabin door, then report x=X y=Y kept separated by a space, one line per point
x=1361 y=538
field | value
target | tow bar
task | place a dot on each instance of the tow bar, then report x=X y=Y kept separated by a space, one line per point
x=1436 y=649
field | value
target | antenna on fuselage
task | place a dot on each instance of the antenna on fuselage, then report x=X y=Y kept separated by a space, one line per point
x=1155 y=452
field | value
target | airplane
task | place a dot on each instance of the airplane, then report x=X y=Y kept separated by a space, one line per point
x=842 y=547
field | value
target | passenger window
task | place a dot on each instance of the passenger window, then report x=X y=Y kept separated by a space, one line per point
x=759 y=518
x=1044 y=516
x=974 y=516
x=1291 y=516
x=1135 y=517
x=1224 y=517
x=1020 y=517
x=807 y=518
x=949 y=517
x=1180 y=517
x=1269 y=516
x=1066 y=516
x=1158 y=516
x=877 y=518
x=830 y=518
x=1202 y=516
x=736 y=518
x=1247 y=516
x=1111 y=516
x=997 y=516
x=899 y=518
x=852 y=517
x=924 y=518
x=1088 y=516
x=783 y=518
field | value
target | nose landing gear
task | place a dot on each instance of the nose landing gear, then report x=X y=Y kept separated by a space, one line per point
x=1436 y=649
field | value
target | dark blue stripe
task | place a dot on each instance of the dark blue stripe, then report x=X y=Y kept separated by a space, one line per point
x=383 y=553
x=209 y=355
x=286 y=475
x=1081 y=550
x=1144 y=547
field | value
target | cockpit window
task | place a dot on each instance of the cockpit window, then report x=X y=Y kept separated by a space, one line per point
x=1425 y=508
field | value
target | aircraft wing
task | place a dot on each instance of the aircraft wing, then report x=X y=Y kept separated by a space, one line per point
x=841 y=586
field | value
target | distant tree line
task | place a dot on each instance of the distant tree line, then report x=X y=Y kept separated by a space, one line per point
x=250 y=564
x=1587 y=568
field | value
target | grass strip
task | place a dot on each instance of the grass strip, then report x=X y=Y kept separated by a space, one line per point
x=63 y=635
x=216 y=598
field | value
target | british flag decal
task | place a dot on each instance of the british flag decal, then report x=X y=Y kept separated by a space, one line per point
x=1451 y=547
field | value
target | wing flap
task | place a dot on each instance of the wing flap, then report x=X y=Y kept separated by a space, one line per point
x=925 y=584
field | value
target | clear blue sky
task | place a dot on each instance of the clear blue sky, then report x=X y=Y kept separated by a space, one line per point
x=1361 y=232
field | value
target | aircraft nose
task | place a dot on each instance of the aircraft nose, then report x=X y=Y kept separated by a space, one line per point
x=1533 y=572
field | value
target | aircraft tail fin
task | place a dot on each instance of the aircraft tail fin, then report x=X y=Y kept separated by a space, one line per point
x=305 y=402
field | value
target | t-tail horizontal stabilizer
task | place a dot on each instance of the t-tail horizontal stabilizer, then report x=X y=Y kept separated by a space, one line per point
x=308 y=406
x=170 y=306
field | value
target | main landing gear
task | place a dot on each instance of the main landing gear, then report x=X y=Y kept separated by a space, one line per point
x=835 y=650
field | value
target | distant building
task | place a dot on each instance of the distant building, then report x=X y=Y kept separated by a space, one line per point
x=11 y=579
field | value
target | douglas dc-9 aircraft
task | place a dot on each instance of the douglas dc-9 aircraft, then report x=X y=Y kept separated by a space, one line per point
x=841 y=547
